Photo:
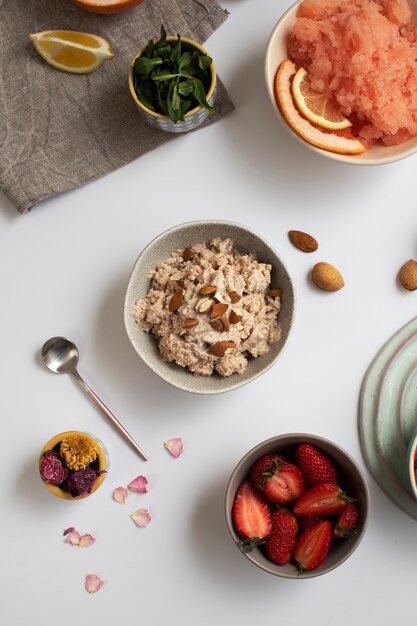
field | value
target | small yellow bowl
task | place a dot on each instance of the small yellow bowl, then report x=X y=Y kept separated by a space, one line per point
x=192 y=118
x=101 y=463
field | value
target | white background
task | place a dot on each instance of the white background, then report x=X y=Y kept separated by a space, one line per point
x=64 y=270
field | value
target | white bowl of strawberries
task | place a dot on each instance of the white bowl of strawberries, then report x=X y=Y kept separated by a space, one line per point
x=297 y=505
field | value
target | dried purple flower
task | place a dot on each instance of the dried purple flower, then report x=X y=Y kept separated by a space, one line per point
x=82 y=481
x=53 y=469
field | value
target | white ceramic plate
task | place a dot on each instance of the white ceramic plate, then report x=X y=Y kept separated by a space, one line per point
x=388 y=415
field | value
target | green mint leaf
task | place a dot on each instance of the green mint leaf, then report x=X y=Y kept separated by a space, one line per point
x=145 y=66
x=200 y=95
x=186 y=87
x=184 y=62
x=176 y=54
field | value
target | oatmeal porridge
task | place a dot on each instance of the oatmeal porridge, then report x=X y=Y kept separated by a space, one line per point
x=212 y=308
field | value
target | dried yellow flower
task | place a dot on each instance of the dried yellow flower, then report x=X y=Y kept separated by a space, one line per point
x=78 y=451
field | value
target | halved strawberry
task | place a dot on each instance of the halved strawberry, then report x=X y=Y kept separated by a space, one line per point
x=312 y=546
x=251 y=516
x=315 y=466
x=280 y=480
x=322 y=500
x=281 y=541
x=306 y=522
x=346 y=522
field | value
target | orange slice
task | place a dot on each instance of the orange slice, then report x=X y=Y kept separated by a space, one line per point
x=315 y=106
x=71 y=51
x=303 y=127
x=106 y=6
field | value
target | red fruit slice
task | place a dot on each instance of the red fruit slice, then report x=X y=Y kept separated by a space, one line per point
x=312 y=546
x=280 y=480
x=251 y=516
x=281 y=541
x=315 y=466
x=346 y=522
x=322 y=500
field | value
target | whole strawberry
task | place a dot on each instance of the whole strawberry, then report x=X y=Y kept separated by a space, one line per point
x=346 y=522
x=315 y=466
x=312 y=546
x=322 y=500
x=280 y=480
x=251 y=516
x=280 y=542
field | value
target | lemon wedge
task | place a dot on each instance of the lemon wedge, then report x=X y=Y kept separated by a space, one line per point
x=71 y=51
x=315 y=106
x=326 y=140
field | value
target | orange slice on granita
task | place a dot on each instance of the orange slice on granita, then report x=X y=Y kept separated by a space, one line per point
x=315 y=106
x=326 y=140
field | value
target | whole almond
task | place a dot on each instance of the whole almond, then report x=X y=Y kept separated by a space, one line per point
x=274 y=293
x=176 y=301
x=217 y=324
x=189 y=323
x=188 y=254
x=408 y=275
x=303 y=241
x=327 y=277
x=207 y=290
x=225 y=321
x=234 y=296
x=234 y=317
x=219 y=308
x=219 y=348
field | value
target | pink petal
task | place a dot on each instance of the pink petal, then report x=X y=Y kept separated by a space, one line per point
x=120 y=494
x=73 y=537
x=86 y=540
x=141 y=517
x=93 y=583
x=68 y=530
x=174 y=446
x=139 y=484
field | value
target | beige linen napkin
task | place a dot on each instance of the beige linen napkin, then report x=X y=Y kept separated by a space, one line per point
x=60 y=130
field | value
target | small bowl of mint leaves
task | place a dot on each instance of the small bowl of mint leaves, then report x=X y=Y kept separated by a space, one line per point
x=173 y=82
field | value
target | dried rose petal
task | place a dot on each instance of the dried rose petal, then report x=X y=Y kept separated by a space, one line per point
x=68 y=530
x=141 y=517
x=73 y=537
x=86 y=541
x=139 y=484
x=93 y=583
x=120 y=494
x=174 y=446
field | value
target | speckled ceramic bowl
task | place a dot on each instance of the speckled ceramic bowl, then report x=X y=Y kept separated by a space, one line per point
x=100 y=464
x=193 y=118
x=276 y=53
x=350 y=478
x=412 y=463
x=161 y=249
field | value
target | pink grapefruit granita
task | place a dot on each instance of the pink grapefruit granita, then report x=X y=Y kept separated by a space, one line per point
x=362 y=53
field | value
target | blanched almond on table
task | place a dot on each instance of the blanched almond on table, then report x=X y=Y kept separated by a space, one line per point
x=177 y=299
x=408 y=275
x=219 y=308
x=234 y=296
x=234 y=317
x=303 y=241
x=189 y=323
x=188 y=254
x=207 y=290
x=274 y=293
x=219 y=348
x=204 y=305
x=327 y=277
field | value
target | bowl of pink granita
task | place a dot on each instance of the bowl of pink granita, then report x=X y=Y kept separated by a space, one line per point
x=359 y=64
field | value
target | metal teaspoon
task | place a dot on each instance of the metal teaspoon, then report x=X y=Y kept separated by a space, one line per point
x=60 y=355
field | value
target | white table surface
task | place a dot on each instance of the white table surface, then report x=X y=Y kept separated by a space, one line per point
x=64 y=270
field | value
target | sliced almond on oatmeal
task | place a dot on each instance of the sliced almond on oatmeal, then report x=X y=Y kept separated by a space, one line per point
x=234 y=296
x=188 y=254
x=234 y=317
x=274 y=293
x=204 y=305
x=219 y=348
x=217 y=324
x=181 y=284
x=219 y=308
x=189 y=323
x=225 y=321
x=177 y=299
x=177 y=276
x=207 y=290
